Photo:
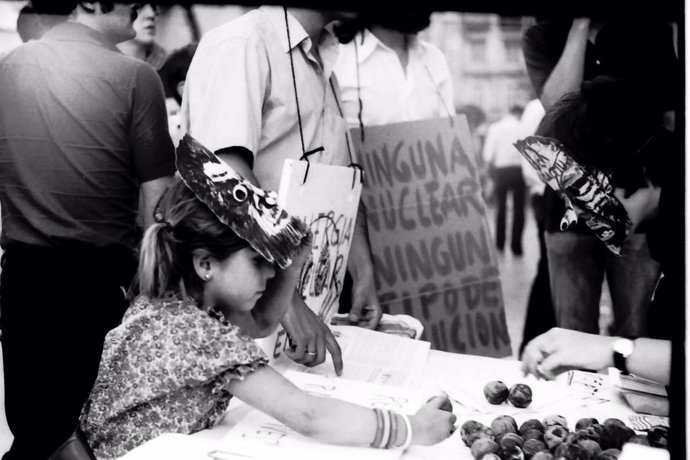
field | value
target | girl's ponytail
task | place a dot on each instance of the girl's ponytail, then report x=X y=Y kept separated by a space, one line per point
x=155 y=261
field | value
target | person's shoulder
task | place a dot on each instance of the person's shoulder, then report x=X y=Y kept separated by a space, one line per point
x=433 y=53
x=247 y=26
x=429 y=47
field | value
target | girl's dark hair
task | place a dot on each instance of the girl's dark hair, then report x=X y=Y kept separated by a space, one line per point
x=183 y=225
x=605 y=125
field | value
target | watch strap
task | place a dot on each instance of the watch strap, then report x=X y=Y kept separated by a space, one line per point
x=620 y=362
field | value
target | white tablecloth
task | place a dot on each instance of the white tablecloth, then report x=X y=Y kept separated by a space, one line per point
x=462 y=378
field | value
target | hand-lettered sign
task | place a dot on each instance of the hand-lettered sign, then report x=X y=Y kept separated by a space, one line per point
x=326 y=197
x=429 y=233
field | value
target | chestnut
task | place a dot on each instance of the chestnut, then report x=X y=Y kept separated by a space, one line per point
x=585 y=422
x=483 y=446
x=500 y=426
x=658 y=436
x=614 y=436
x=496 y=392
x=570 y=451
x=520 y=395
x=511 y=439
x=554 y=436
x=530 y=424
x=532 y=446
x=609 y=454
x=543 y=455
x=472 y=430
x=592 y=447
x=533 y=434
x=555 y=420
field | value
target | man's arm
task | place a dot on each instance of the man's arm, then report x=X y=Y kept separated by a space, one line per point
x=567 y=76
x=366 y=310
x=151 y=191
x=560 y=350
x=152 y=148
x=556 y=67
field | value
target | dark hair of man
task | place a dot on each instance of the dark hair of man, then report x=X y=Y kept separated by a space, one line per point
x=175 y=69
x=607 y=124
x=56 y=7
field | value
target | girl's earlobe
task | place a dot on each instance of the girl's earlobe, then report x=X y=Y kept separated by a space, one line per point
x=201 y=260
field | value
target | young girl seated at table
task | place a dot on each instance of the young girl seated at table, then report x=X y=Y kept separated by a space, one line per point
x=178 y=356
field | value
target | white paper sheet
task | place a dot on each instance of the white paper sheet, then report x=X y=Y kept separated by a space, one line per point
x=171 y=446
x=374 y=357
x=259 y=436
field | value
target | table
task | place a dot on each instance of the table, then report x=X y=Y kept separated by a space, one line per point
x=462 y=377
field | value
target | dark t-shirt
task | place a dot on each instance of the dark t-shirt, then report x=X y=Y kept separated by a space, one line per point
x=81 y=127
x=638 y=51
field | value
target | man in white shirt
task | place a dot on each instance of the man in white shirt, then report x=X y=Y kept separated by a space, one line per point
x=505 y=165
x=396 y=75
x=239 y=101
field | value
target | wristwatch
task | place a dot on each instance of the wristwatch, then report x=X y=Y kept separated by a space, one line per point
x=622 y=348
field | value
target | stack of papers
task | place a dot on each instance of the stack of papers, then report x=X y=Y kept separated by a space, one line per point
x=630 y=382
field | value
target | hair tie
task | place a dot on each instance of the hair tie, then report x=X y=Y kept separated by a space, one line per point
x=160 y=219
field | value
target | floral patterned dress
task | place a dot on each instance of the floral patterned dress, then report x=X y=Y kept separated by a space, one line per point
x=165 y=369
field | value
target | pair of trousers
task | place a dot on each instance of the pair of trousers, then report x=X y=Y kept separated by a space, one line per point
x=540 y=316
x=509 y=180
x=578 y=263
x=56 y=306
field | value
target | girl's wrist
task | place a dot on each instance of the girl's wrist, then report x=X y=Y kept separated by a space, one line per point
x=393 y=430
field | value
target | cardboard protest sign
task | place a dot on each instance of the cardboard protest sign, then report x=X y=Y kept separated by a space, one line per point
x=429 y=233
x=326 y=198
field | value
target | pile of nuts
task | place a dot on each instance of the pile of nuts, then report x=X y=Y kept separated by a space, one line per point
x=551 y=439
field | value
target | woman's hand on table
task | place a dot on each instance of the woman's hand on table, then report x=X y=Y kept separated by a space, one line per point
x=433 y=422
x=560 y=350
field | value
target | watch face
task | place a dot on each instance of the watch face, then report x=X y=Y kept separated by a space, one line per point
x=623 y=346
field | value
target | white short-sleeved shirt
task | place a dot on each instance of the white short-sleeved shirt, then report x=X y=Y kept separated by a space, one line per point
x=498 y=147
x=239 y=93
x=389 y=94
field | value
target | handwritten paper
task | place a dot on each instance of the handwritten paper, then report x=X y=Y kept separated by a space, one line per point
x=374 y=357
x=260 y=436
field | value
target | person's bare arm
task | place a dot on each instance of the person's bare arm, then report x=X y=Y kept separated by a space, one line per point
x=560 y=350
x=310 y=337
x=273 y=304
x=366 y=309
x=151 y=191
x=332 y=420
x=568 y=74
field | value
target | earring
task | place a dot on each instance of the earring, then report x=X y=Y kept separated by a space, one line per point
x=207 y=276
